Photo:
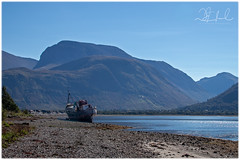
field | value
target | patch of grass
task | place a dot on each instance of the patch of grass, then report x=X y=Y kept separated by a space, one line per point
x=24 y=132
x=6 y=124
x=4 y=114
x=12 y=132
x=9 y=137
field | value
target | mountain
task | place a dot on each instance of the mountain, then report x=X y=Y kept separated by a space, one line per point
x=219 y=83
x=225 y=103
x=107 y=82
x=66 y=51
x=180 y=80
x=11 y=61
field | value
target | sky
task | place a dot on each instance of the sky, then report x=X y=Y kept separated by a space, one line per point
x=198 y=38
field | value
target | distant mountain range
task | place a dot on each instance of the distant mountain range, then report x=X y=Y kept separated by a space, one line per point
x=11 y=61
x=104 y=75
x=225 y=103
x=218 y=84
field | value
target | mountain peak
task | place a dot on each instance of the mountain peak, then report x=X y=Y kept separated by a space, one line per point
x=219 y=83
x=70 y=42
x=222 y=74
x=66 y=51
x=225 y=74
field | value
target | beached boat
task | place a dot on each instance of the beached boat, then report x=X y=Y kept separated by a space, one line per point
x=80 y=110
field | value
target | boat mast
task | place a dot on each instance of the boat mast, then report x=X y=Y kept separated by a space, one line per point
x=68 y=96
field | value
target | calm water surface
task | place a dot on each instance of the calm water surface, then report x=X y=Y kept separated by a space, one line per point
x=206 y=126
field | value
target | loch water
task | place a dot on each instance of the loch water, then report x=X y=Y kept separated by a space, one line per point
x=222 y=127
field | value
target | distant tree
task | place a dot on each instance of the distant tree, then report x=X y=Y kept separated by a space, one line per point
x=7 y=101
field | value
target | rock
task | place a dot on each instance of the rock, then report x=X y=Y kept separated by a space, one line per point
x=186 y=155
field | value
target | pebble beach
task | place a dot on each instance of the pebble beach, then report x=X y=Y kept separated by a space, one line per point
x=55 y=137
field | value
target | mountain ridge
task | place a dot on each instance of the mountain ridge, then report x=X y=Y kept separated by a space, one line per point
x=11 y=61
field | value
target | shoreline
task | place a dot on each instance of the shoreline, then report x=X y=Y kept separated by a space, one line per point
x=58 y=138
x=163 y=115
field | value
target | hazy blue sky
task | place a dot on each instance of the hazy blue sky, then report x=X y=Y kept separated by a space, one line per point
x=164 y=31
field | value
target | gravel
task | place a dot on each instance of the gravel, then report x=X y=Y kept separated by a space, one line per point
x=56 y=137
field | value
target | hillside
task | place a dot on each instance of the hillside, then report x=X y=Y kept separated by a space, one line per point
x=225 y=103
x=181 y=80
x=106 y=82
x=219 y=83
x=66 y=51
x=12 y=61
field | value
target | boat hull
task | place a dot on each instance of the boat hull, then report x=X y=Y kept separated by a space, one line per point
x=80 y=116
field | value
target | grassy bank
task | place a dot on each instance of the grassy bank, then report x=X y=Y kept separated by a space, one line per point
x=10 y=112
x=12 y=132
